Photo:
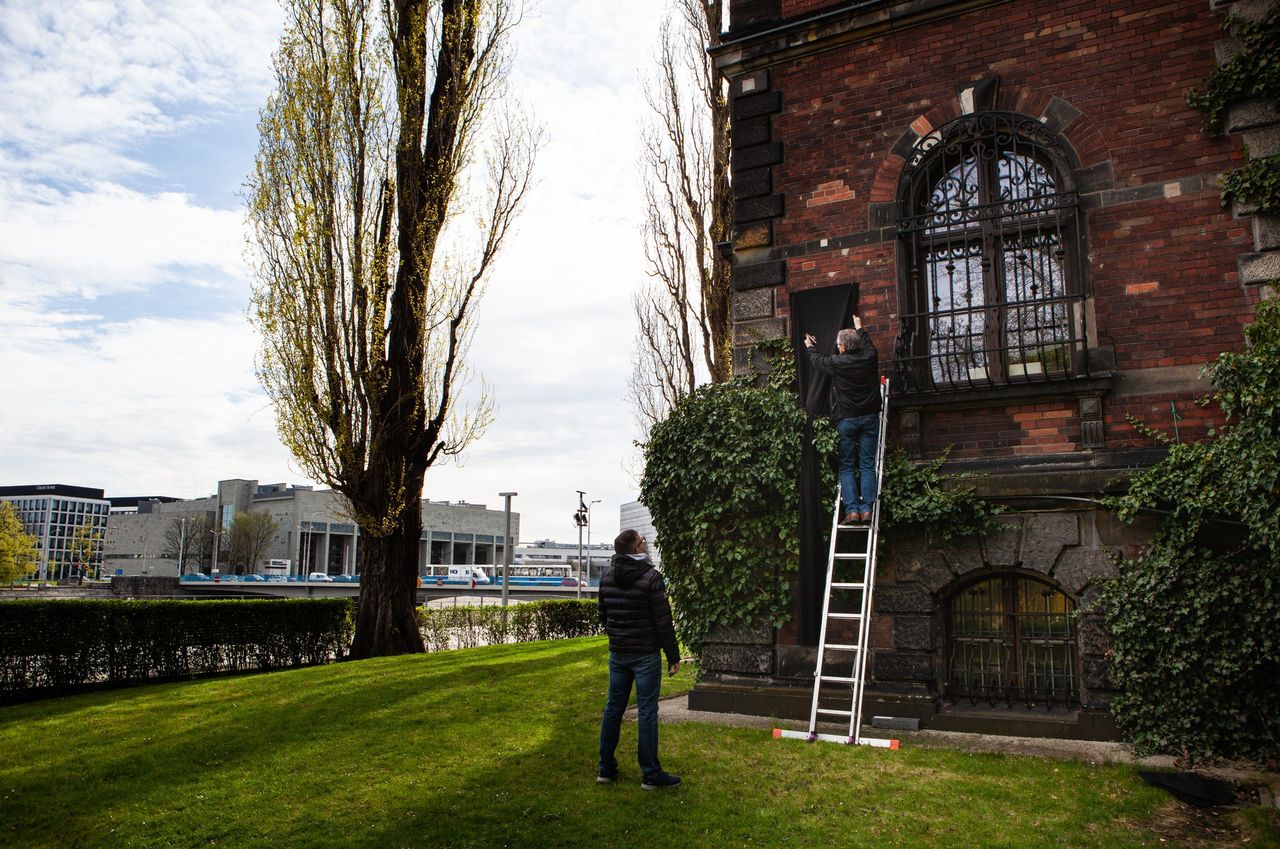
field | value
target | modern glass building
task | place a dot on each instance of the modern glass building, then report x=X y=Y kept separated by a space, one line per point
x=53 y=512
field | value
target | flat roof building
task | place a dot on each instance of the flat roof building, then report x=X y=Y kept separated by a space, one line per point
x=53 y=512
x=312 y=532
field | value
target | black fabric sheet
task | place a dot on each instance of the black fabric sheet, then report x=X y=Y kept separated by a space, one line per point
x=823 y=313
x=1194 y=789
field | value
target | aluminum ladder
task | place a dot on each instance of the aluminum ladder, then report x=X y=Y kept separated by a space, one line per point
x=851 y=570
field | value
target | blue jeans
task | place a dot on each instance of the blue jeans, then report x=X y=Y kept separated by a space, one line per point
x=645 y=670
x=859 y=440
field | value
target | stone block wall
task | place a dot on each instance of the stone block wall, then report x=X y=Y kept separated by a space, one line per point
x=1070 y=550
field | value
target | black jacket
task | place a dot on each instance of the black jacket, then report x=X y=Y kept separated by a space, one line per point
x=634 y=608
x=855 y=384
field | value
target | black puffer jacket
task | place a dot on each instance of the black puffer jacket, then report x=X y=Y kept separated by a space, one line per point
x=634 y=608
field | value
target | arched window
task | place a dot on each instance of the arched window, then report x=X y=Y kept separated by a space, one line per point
x=1012 y=639
x=991 y=278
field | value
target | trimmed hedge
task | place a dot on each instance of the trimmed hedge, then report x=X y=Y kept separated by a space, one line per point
x=467 y=627
x=52 y=646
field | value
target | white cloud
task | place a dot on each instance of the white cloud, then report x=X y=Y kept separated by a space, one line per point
x=85 y=82
x=150 y=406
x=140 y=404
x=108 y=238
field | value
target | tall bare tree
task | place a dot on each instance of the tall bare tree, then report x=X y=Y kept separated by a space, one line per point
x=682 y=310
x=372 y=254
x=187 y=540
x=250 y=533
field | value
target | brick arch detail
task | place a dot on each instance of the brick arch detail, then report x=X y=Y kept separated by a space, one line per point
x=1080 y=134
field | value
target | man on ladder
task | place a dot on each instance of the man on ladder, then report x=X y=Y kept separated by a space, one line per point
x=855 y=384
x=859 y=409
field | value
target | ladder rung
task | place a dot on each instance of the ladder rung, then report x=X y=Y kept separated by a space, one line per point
x=862 y=556
x=833 y=712
x=840 y=647
x=838 y=679
x=844 y=615
x=846 y=586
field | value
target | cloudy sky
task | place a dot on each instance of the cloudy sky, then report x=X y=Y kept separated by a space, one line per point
x=126 y=132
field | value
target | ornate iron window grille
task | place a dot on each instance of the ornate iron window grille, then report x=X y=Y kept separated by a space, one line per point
x=989 y=249
x=1012 y=639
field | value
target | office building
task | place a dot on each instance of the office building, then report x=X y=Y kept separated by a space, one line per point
x=52 y=513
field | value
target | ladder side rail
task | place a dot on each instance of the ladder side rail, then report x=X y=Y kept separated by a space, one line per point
x=826 y=608
x=869 y=573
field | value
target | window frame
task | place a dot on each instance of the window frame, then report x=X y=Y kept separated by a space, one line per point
x=1014 y=687
x=995 y=226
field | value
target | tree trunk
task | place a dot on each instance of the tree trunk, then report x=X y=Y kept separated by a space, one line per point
x=386 y=623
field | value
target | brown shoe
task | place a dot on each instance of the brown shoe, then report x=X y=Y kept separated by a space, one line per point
x=850 y=519
x=864 y=517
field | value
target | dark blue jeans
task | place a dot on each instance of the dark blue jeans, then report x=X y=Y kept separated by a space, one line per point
x=645 y=670
x=859 y=440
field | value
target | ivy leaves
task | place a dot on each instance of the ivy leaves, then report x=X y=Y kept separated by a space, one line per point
x=720 y=482
x=920 y=495
x=1253 y=72
x=1196 y=619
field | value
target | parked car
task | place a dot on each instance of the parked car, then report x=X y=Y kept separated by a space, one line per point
x=319 y=576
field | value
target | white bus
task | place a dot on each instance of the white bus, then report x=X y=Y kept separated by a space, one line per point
x=441 y=574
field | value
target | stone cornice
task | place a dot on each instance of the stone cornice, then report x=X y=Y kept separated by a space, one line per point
x=835 y=28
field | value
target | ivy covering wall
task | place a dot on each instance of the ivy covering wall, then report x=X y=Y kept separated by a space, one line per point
x=1196 y=618
x=720 y=482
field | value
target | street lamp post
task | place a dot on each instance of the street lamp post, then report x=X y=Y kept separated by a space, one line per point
x=589 y=506
x=304 y=568
x=217 y=536
x=506 y=549
x=580 y=519
x=182 y=545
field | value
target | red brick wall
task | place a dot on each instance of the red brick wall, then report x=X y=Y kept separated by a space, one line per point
x=1162 y=271
x=797 y=8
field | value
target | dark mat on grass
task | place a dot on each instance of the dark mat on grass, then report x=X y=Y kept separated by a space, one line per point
x=1193 y=789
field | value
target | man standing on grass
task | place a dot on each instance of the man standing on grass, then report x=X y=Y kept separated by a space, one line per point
x=637 y=617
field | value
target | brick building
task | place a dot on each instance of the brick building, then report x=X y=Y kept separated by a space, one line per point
x=1030 y=213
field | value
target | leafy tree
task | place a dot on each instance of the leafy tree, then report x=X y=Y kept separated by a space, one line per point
x=187 y=540
x=372 y=255
x=86 y=548
x=250 y=533
x=682 y=311
x=1196 y=618
x=18 y=552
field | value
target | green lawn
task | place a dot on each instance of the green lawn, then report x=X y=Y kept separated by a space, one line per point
x=496 y=747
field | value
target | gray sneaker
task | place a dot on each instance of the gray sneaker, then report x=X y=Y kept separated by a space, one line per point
x=606 y=777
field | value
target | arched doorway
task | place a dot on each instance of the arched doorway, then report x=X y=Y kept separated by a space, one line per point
x=1012 y=639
